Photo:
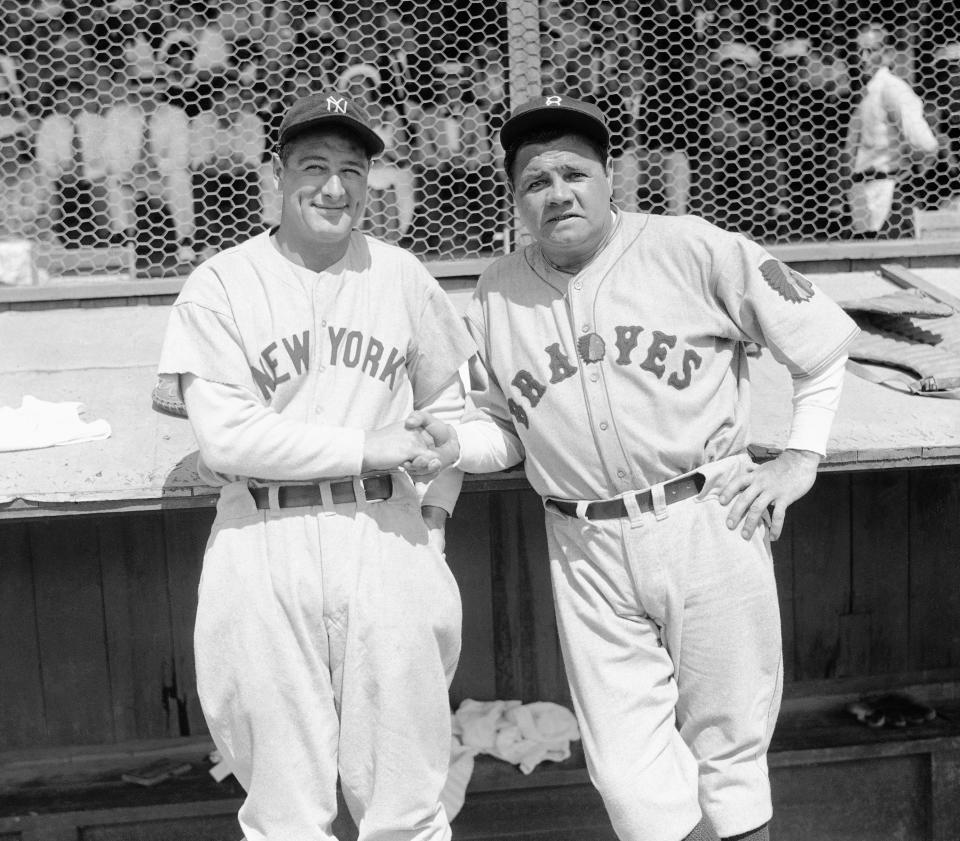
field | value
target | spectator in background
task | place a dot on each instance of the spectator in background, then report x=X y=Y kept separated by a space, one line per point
x=398 y=64
x=69 y=149
x=175 y=60
x=804 y=126
x=940 y=189
x=23 y=204
x=148 y=164
x=390 y=191
x=455 y=177
x=888 y=136
x=227 y=144
x=734 y=176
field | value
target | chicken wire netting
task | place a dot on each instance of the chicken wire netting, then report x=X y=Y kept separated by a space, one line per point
x=143 y=132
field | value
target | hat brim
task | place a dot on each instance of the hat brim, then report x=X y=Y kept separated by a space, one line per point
x=369 y=139
x=537 y=120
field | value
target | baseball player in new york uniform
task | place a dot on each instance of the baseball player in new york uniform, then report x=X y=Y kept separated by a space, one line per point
x=328 y=624
x=613 y=361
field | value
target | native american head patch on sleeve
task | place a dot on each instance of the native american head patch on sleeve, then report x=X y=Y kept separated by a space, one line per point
x=787 y=283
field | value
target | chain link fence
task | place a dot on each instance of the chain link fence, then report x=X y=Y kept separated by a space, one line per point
x=142 y=132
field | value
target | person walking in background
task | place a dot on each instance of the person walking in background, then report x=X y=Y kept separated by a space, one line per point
x=888 y=137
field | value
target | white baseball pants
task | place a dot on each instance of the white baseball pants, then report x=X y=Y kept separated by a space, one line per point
x=325 y=645
x=670 y=631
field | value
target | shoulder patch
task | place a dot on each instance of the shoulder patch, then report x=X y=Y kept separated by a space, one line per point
x=787 y=283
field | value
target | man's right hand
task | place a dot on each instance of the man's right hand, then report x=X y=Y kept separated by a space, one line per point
x=445 y=445
x=398 y=444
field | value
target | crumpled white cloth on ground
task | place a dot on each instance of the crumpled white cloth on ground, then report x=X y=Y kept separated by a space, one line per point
x=522 y=734
x=40 y=423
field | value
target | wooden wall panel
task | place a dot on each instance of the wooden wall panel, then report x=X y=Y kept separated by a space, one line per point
x=185 y=535
x=70 y=630
x=821 y=575
x=527 y=650
x=935 y=568
x=21 y=695
x=865 y=800
x=468 y=554
x=880 y=559
x=138 y=622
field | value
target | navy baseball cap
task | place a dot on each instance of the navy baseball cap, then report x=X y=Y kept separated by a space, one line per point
x=320 y=110
x=554 y=111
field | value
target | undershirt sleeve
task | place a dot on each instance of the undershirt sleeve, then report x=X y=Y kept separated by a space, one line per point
x=239 y=436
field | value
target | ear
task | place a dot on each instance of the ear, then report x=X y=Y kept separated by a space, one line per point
x=608 y=172
x=277 y=166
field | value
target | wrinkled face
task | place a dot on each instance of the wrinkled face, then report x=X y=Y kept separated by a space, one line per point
x=324 y=186
x=562 y=191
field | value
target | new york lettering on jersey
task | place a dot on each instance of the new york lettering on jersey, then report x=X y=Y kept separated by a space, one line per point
x=289 y=357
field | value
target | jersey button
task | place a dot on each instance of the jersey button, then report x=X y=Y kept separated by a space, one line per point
x=577 y=285
x=603 y=425
x=621 y=473
x=585 y=328
x=323 y=323
x=594 y=377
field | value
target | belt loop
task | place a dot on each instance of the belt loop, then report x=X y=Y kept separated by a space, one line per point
x=582 y=510
x=273 y=497
x=359 y=491
x=633 y=510
x=659 y=499
x=326 y=497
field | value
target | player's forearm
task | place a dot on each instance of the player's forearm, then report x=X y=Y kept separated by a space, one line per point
x=447 y=406
x=239 y=436
x=485 y=446
x=815 y=402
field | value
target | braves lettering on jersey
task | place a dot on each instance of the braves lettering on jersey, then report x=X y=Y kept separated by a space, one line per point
x=634 y=370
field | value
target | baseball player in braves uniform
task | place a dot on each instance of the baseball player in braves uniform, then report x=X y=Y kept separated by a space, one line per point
x=328 y=624
x=613 y=361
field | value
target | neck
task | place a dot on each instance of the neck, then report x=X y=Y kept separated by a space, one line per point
x=315 y=257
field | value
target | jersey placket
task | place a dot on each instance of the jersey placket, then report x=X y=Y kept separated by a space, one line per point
x=581 y=306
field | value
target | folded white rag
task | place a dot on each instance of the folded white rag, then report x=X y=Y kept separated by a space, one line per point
x=522 y=734
x=39 y=423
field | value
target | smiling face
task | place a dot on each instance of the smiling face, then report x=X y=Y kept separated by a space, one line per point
x=562 y=190
x=323 y=179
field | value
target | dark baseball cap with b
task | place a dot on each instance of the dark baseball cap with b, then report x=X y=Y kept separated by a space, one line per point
x=554 y=111
x=323 y=110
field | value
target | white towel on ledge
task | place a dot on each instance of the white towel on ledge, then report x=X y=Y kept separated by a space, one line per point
x=522 y=734
x=40 y=423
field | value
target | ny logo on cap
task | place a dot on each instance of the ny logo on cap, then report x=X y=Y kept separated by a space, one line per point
x=338 y=104
x=554 y=100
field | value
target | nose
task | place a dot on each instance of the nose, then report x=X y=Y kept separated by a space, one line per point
x=559 y=191
x=333 y=187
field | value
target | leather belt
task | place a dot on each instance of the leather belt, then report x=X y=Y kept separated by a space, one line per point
x=375 y=487
x=609 y=509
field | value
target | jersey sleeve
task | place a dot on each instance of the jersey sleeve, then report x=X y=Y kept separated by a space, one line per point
x=488 y=438
x=442 y=345
x=202 y=336
x=781 y=309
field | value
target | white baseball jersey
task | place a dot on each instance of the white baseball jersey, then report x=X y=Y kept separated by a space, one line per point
x=634 y=370
x=355 y=347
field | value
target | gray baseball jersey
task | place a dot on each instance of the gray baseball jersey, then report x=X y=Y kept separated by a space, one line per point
x=634 y=370
x=355 y=347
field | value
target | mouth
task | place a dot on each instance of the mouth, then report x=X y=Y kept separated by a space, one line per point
x=562 y=217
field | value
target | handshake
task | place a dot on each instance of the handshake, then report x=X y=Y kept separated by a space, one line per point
x=421 y=444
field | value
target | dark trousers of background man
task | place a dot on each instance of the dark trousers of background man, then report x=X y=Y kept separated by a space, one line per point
x=81 y=213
